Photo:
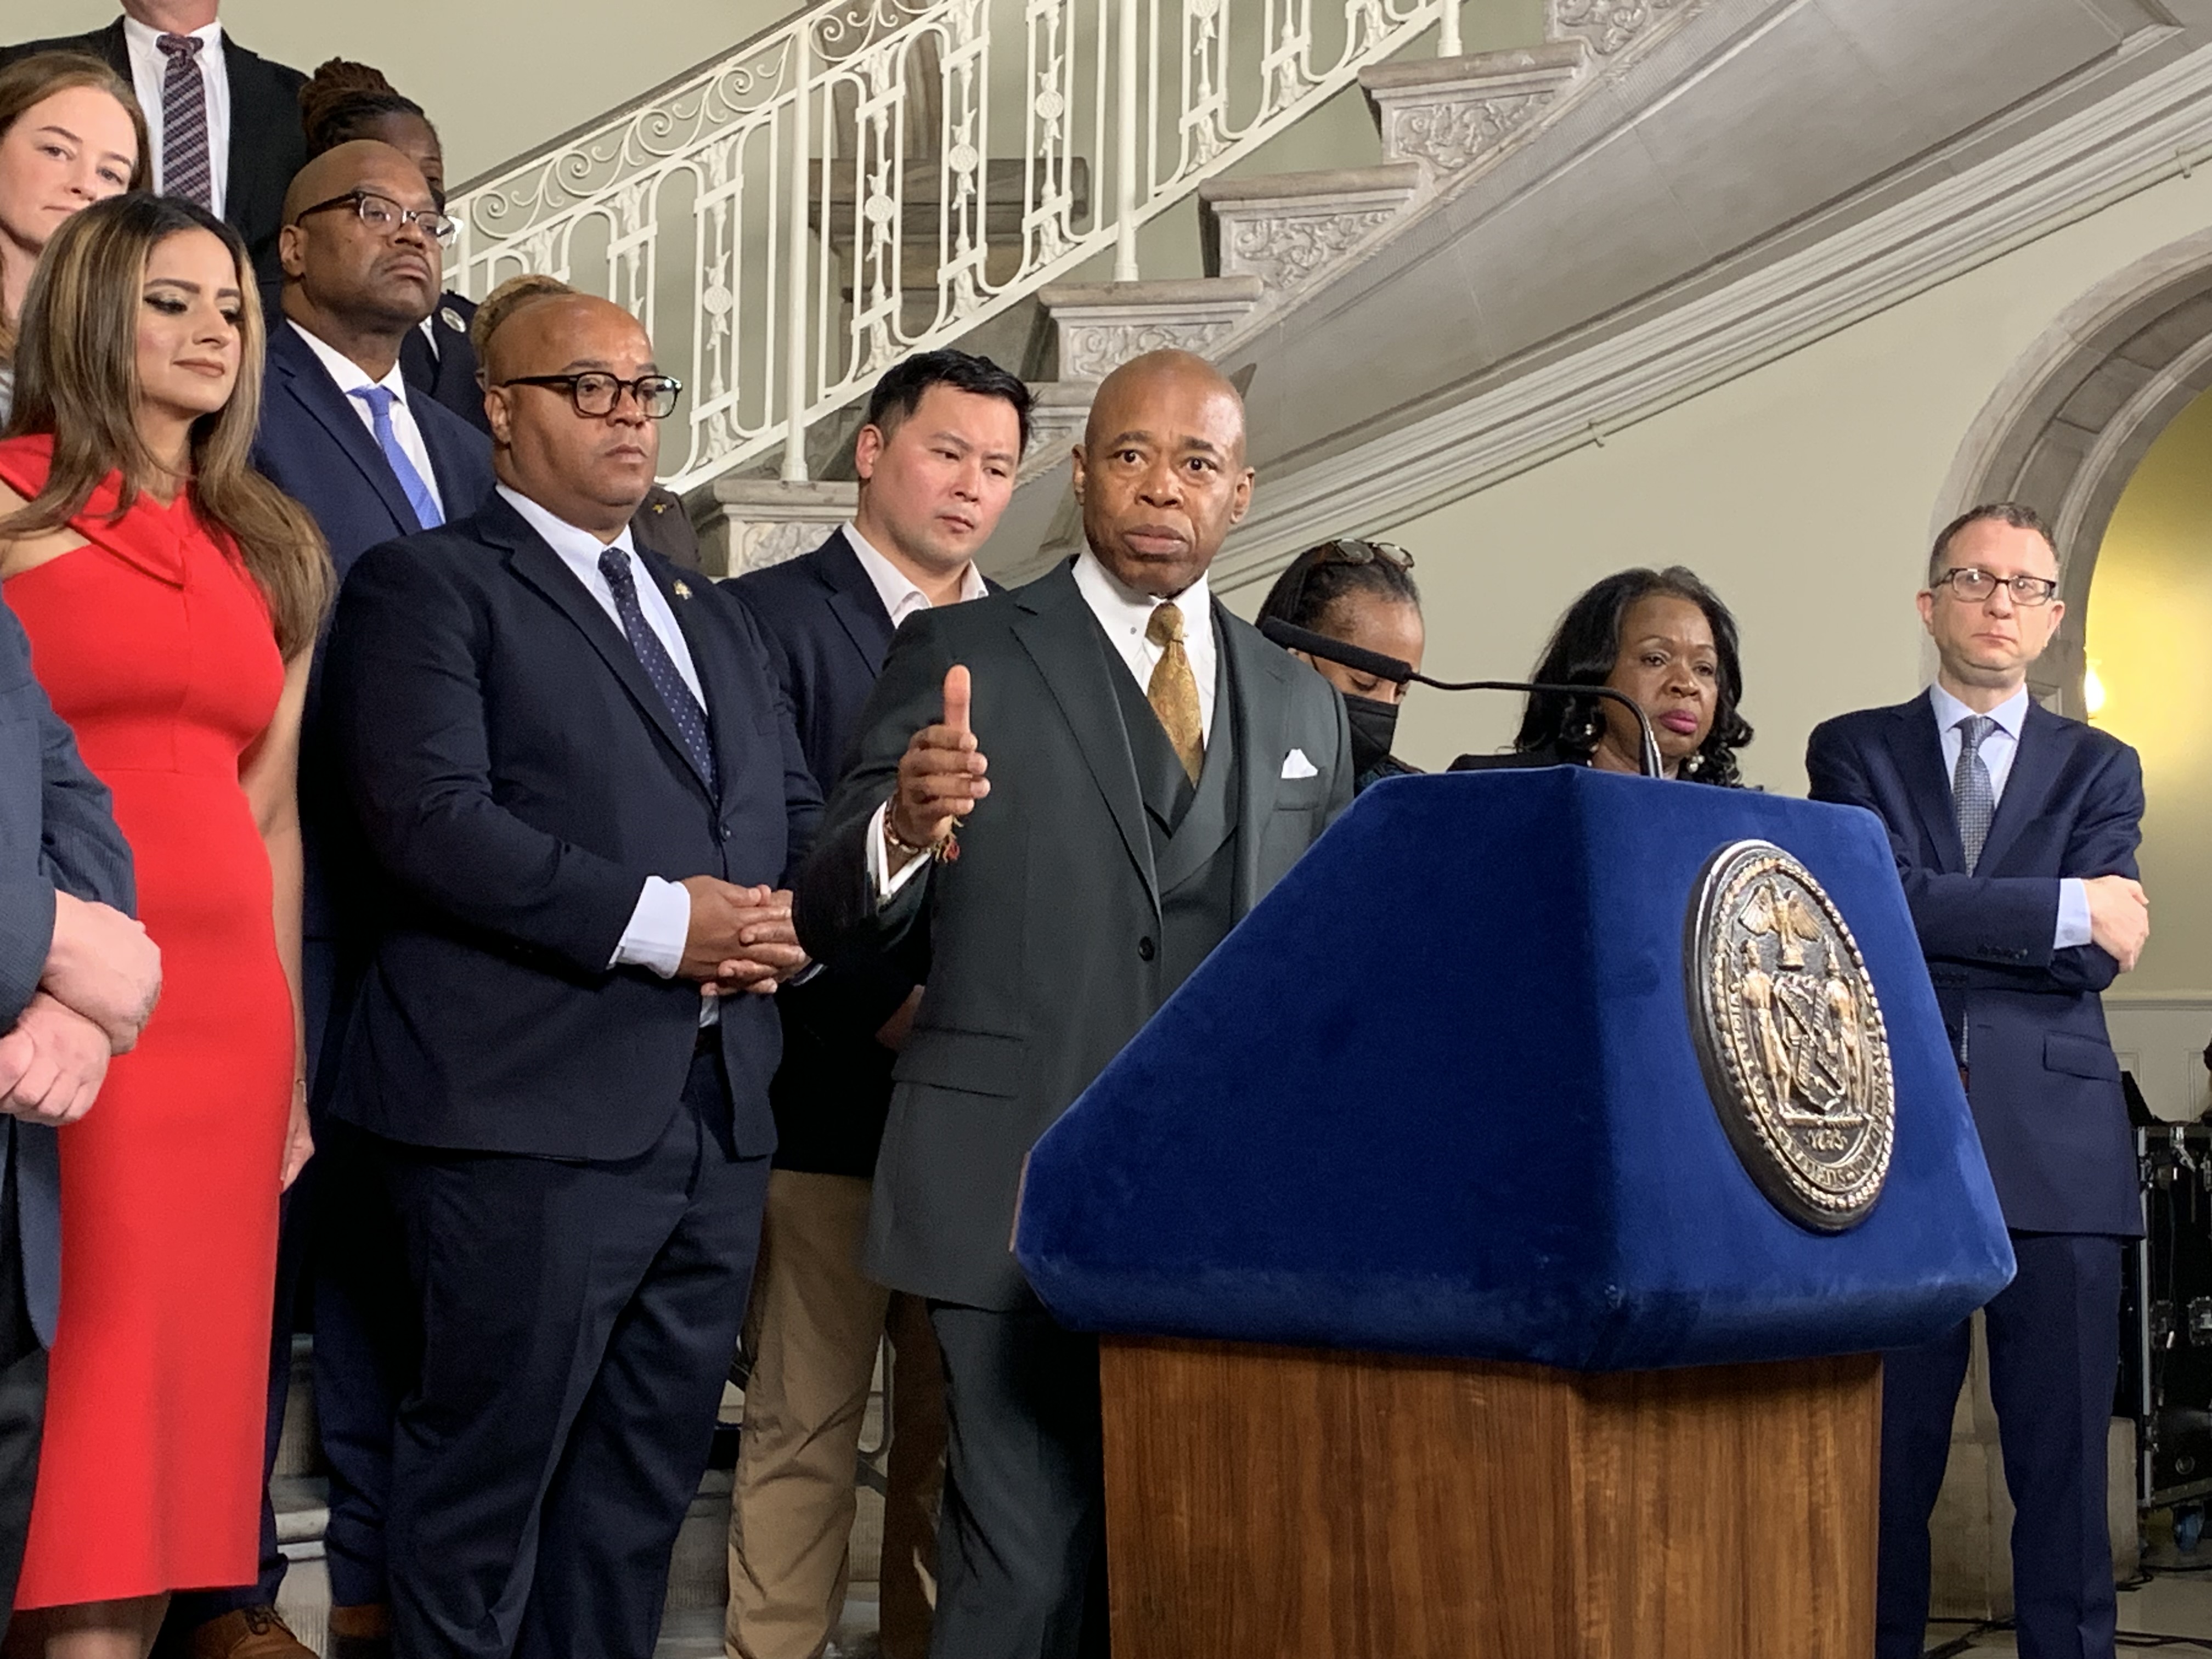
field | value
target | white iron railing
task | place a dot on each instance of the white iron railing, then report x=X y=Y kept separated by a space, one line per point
x=879 y=177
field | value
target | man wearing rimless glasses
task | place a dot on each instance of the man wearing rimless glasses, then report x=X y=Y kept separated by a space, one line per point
x=2014 y=832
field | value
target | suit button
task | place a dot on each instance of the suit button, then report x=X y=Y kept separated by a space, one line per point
x=722 y=832
x=1144 y=951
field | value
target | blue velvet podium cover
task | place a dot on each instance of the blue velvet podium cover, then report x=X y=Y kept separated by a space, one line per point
x=1438 y=1094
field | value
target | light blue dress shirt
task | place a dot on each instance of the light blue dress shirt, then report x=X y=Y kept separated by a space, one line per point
x=1999 y=750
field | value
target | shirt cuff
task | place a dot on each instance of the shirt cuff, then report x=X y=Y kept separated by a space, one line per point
x=882 y=881
x=658 y=929
x=2073 y=914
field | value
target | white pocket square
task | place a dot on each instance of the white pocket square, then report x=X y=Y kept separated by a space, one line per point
x=1296 y=765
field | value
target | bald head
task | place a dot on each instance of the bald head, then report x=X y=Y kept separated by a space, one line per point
x=357 y=286
x=362 y=164
x=1160 y=473
x=590 y=471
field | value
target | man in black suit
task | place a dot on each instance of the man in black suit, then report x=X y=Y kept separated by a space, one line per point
x=77 y=981
x=936 y=459
x=224 y=123
x=2015 y=833
x=1155 y=766
x=581 y=785
x=341 y=434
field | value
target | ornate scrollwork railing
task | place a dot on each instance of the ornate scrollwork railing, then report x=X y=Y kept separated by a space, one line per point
x=879 y=177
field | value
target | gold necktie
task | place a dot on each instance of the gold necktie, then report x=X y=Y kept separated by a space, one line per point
x=1173 y=690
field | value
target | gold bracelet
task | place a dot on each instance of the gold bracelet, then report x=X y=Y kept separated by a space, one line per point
x=946 y=851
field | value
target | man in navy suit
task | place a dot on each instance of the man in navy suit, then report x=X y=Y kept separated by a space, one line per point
x=342 y=433
x=77 y=981
x=2015 y=833
x=936 y=459
x=582 y=790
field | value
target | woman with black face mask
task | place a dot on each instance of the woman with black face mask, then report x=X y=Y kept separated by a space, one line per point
x=1363 y=594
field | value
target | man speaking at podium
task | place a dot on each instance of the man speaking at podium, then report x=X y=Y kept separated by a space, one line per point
x=2015 y=833
x=1154 y=767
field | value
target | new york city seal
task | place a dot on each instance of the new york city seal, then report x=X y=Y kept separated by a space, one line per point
x=1791 y=1036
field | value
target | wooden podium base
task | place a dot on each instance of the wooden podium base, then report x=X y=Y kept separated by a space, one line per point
x=1295 y=1504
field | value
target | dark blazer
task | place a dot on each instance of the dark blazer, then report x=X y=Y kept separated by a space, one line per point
x=1548 y=754
x=56 y=832
x=827 y=627
x=517 y=778
x=312 y=444
x=449 y=372
x=267 y=143
x=2043 y=1084
x=1038 y=943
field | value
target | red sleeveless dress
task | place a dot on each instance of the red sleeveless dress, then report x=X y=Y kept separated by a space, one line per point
x=155 y=645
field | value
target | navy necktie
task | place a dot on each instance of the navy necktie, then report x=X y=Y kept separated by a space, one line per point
x=419 y=496
x=1971 y=793
x=659 y=667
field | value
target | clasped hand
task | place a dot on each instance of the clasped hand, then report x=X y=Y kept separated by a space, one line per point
x=742 y=939
x=101 y=978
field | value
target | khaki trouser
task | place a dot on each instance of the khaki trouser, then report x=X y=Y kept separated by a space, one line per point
x=813 y=1328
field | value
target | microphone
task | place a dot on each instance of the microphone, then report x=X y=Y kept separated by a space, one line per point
x=1292 y=638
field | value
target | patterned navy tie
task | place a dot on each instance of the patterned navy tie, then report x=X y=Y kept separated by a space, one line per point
x=186 y=168
x=1971 y=794
x=659 y=667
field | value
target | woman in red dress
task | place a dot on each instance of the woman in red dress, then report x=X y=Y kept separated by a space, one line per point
x=172 y=597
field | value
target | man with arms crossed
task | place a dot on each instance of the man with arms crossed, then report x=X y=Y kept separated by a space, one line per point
x=936 y=459
x=1154 y=767
x=2015 y=833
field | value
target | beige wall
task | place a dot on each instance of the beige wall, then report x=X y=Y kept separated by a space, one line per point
x=2150 y=614
x=498 y=76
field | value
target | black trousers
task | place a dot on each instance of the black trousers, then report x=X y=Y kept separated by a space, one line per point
x=578 y=1322
x=1021 y=1544
x=22 y=1389
x=2054 y=1355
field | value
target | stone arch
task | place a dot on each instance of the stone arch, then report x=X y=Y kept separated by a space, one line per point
x=2074 y=416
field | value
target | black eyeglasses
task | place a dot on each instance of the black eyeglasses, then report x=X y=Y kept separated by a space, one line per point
x=595 y=394
x=1973 y=583
x=381 y=213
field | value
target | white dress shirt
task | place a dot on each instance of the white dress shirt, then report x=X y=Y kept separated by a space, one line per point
x=901 y=598
x=1998 y=751
x=1125 y=613
x=149 y=68
x=352 y=377
x=662 y=920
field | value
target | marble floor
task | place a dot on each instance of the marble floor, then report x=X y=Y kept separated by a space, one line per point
x=2170 y=1615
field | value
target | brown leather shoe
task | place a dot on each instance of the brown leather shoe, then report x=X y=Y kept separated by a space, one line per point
x=361 y=1632
x=248 y=1634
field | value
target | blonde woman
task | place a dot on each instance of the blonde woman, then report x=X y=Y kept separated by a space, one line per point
x=172 y=597
x=70 y=135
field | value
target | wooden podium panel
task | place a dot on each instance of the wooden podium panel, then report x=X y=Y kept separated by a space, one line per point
x=1297 y=1503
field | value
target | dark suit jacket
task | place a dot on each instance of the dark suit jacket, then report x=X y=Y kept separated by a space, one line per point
x=1038 y=944
x=449 y=372
x=312 y=446
x=56 y=832
x=1548 y=755
x=517 y=778
x=267 y=144
x=2043 y=1084
x=828 y=628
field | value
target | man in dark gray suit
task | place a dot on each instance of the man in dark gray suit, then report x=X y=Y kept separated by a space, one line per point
x=1154 y=768
x=77 y=981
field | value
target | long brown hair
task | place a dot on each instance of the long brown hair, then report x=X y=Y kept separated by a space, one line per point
x=31 y=80
x=76 y=377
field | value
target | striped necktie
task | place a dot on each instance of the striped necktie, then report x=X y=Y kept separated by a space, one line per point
x=187 y=168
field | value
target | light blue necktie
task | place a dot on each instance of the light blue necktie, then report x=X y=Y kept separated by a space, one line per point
x=380 y=400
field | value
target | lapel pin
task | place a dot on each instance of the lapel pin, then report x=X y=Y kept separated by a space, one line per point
x=659 y=507
x=452 y=319
x=682 y=589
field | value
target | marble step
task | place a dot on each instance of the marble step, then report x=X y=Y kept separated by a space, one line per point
x=1451 y=115
x=1101 y=326
x=1287 y=229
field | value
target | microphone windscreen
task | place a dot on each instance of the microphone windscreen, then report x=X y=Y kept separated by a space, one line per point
x=1294 y=638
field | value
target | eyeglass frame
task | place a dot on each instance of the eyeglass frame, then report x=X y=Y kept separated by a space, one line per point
x=358 y=199
x=572 y=382
x=2047 y=587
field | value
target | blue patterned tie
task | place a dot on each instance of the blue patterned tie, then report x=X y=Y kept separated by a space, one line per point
x=380 y=400
x=659 y=667
x=1971 y=794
